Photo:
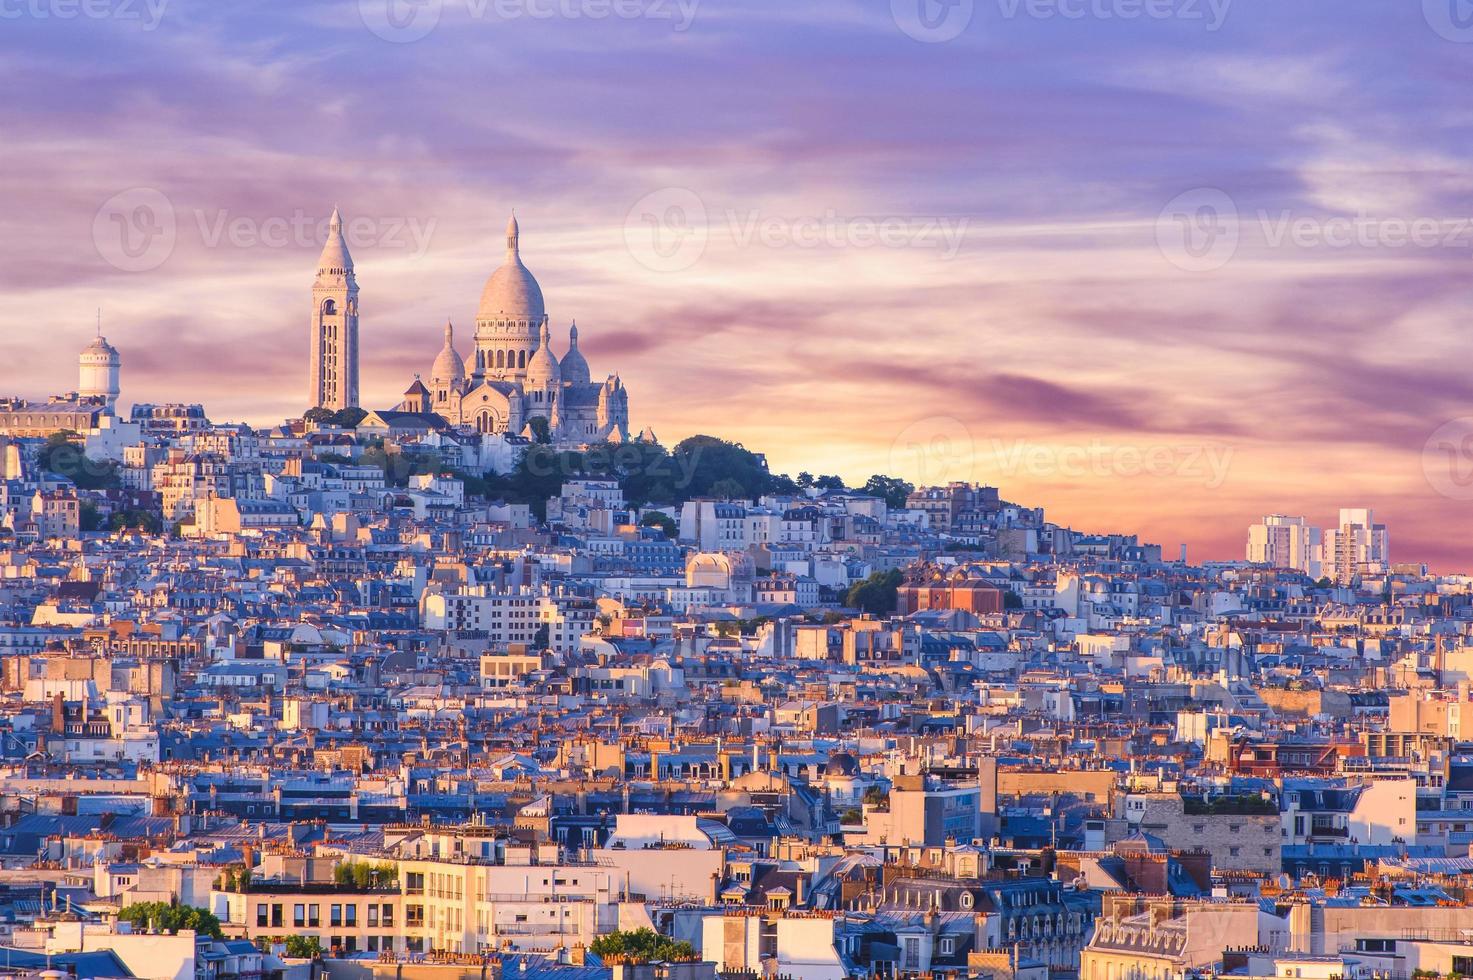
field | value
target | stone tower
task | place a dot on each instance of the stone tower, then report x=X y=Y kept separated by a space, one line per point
x=334 y=377
x=99 y=372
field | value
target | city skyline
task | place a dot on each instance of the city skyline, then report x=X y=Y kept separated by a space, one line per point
x=1029 y=316
x=735 y=489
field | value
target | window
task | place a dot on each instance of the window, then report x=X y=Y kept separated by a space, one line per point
x=388 y=918
x=350 y=916
x=276 y=915
x=948 y=946
x=372 y=916
x=314 y=915
x=299 y=916
x=1235 y=851
x=335 y=916
x=261 y=915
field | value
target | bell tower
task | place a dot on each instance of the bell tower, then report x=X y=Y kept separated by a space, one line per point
x=334 y=367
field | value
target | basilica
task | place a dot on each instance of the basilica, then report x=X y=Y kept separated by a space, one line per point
x=514 y=377
x=513 y=380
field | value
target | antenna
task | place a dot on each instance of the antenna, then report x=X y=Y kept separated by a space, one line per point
x=99 y=321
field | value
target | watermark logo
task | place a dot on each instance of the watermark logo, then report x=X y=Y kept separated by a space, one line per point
x=135 y=230
x=1198 y=230
x=1202 y=230
x=932 y=21
x=667 y=230
x=138 y=229
x=400 y=21
x=833 y=230
x=146 y=13
x=1212 y=14
x=1207 y=464
x=1447 y=459
x=934 y=451
x=223 y=228
x=404 y=21
x=1451 y=19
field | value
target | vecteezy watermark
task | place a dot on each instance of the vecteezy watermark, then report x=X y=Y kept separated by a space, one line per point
x=147 y=13
x=1451 y=19
x=668 y=230
x=932 y=21
x=404 y=21
x=299 y=229
x=1206 y=463
x=936 y=21
x=1202 y=230
x=137 y=230
x=1212 y=14
x=934 y=451
x=833 y=230
x=1362 y=230
x=1198 y=230
x=1447 y=459
x=618 y=462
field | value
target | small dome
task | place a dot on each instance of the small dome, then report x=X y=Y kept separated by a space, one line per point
x=574 y=367
x=512 y=290
x=449 y=367
x=100 y=345
x=542 y=367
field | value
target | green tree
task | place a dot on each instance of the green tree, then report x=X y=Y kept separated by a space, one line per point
x=642 y=945
x=783 y=485
x=91 y=519
x=62 y=456
x=662 y=521
x=1011 y=600
x=398 y=466
x=171 y=917
x=541 y=429
x=829 y=482
x=705 y=461
x=297 y=947
x=894 y=491
x=728 y=489
x=347 y=418
x=875 y=595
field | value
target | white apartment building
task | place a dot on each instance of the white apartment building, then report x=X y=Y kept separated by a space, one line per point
x=511 y=616
x=1357 y=545
x=1285 y=542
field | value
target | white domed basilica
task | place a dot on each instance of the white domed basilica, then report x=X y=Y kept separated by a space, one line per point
x=513 y=376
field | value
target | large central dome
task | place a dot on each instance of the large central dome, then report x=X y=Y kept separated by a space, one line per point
x=512 y=291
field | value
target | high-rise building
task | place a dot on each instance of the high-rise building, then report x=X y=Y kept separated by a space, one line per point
x=1285 y=542
x=334 y=379
x=1356 y=546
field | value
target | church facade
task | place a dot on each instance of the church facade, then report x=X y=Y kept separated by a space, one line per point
x=513 y=376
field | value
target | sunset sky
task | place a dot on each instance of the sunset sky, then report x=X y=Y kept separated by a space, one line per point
x=830 y=231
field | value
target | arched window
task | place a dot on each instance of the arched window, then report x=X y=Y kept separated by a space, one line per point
x=521 y=358
x=501 y=359
x=329 y=308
